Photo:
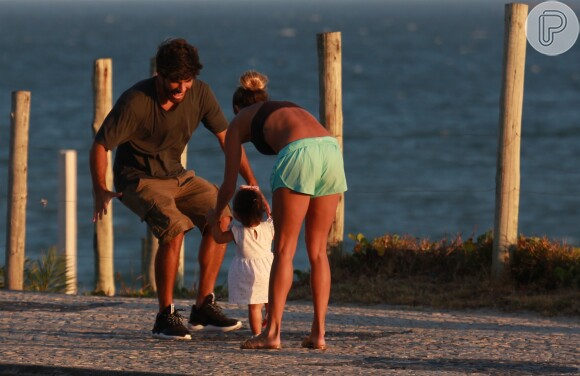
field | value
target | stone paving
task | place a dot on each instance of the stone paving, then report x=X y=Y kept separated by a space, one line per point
x=53 y=334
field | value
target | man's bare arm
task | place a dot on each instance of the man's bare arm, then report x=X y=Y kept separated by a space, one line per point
x=101 y=194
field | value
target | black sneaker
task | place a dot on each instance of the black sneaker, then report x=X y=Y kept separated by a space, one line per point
x=211 y=317
x=168 y=325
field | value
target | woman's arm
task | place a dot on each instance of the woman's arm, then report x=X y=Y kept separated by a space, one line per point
x=245 y=168
x=233 y=155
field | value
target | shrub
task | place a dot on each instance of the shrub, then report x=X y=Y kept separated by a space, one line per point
x=405 y=256
x=47 y=274
x=539 y=264
x=544 y=276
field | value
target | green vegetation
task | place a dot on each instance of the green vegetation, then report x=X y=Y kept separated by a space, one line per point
x=543 y=275
x=47 y=274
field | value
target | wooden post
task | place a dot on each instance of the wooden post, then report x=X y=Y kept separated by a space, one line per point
x=103 y=236
x=330 y=84
x=17 y=190
x=67 y=215
x=151 y=243
x=510 y=124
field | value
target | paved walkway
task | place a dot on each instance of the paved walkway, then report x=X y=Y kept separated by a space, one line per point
x=51 y=334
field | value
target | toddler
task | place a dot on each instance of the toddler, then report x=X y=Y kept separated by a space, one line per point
x=249 y=272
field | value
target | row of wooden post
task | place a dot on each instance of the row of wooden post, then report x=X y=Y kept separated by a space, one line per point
x=330 y=83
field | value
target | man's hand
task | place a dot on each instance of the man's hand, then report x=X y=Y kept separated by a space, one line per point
x=101 y=199
x=101 y=195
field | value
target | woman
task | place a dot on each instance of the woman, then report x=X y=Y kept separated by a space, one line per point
x=306 y=181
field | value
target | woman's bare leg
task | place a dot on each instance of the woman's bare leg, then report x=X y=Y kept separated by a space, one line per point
x=289 y=210
x=319 y=218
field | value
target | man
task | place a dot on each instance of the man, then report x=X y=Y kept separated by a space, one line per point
x=150 y=126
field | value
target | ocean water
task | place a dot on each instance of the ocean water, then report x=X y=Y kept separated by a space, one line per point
x=421 y=85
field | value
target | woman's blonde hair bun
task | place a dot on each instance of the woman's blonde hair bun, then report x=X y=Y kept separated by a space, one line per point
x=253 y=81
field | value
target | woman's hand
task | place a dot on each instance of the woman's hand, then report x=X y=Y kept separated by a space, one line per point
x=267 y=205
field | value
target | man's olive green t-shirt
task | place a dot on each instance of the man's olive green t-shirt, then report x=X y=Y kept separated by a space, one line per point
x=150 y=140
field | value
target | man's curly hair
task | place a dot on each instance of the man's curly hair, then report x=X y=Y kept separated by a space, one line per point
x=177 y=60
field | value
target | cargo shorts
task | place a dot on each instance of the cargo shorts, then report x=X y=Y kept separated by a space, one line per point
x=172 y=206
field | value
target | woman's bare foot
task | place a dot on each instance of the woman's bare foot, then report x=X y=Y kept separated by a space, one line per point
x=309 y=343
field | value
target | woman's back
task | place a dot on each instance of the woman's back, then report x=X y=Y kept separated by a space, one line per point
x=287 y=124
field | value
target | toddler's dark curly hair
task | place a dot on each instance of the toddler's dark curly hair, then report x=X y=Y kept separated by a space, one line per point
x=249 y=207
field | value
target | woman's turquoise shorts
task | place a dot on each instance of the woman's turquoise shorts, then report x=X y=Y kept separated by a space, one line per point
x=313 y=166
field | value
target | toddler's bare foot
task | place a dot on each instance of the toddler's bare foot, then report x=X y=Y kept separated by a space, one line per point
x=259 y=343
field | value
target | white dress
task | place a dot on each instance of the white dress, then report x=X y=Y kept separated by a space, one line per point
x=249 y=272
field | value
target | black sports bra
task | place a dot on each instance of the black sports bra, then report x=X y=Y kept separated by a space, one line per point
x=257 y=128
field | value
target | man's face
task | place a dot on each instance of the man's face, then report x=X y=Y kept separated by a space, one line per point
x=175 y=91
